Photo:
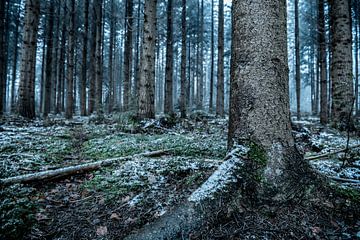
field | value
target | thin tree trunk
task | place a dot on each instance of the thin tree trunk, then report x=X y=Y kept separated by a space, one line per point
x=137 y=55
x=49 y=57
x=200 y=85
x=147 y=69
x=71 y=63
x=92 y=68
x=220 y=79
x=98 y=57
x=297 y=62
x=357 y=66
x=2 y=55
x=212 y=50
x=111 y=56
x=183 y=86
x=61 y=76
x=84 y=60
x=168 y=103
x=15 y=62
x=26 y=102
x=55 y=61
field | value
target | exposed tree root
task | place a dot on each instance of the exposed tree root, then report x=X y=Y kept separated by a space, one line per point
x=67 y=171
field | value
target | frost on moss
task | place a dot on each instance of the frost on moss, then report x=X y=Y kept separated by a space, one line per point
x=226 y=174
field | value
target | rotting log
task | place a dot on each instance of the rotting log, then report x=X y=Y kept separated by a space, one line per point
x=77 y=169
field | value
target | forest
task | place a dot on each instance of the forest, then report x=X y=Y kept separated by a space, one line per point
x=188 y=119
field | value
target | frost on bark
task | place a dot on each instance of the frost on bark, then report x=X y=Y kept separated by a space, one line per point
x=146 y=101
x=341 y=62
x=263 y=167
x=26 y=104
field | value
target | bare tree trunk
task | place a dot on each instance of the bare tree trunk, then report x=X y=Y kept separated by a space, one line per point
x=146 y=102
x=341 y=64
x=61 y=72
x=49 y=58
x=137 y=55
x=322 y=58
x=71 y=63
x=168 y=103
x=220 y=79
x=211 y=105
x=55 y=61
x=2 y=56
x=111 y=56
x=128 y=54
x=357 y=63
x=98 y=57
x=200 y=83
x=92 y=71
x=26 y=103
x=297 y=62
x=15 y=63
x=84 y=60
x=183 y=86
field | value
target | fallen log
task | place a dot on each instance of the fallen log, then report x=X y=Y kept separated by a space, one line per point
x=66 y=171
x=325 y=155
x=346 y=180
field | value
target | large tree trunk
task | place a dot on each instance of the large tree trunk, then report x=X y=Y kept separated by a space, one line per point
x=168 y=103
x=71 y=63
x=26 y=103
x=264 y=167
x=146 y=101
x=49 y=58
x=220 y=79
x=297 y=62
x=341 y=63
x=322 y=58
x=183 y=87
x=128 y=54
x=84 y=60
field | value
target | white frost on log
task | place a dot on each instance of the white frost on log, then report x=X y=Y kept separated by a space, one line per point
x=226 y=174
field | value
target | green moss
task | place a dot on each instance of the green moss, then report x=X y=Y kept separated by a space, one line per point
x=349 y=193
x=257 y=154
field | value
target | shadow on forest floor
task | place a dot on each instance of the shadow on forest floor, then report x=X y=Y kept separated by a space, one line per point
x=111 y=202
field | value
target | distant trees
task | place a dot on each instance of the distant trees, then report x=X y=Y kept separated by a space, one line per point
x=2 y=56
x=168 y=98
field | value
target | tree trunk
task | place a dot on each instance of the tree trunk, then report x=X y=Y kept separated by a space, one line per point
x=322 y=58
x=220 y=79
x=137 y=55
x=357 y=63
x=111 y=57
x=200 y=82
x=168 y=103
x=341 y=63
x=264 y=168
x=128 y=54
x=92 y=71
x=183 y=87
x=49 y=58
x=98 y=57
x=297 y=62
x=15 y=62
x=55 y=61
x=61 y=65
x=211 y=91
x=26 y=103
x=71 y=63
x=2 y=55
x=146 y=102
x=84 y=60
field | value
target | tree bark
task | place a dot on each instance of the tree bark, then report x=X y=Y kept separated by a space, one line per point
x=297 y=62
x=26 y=105
x=70 y=65
x=92 y=71
x=84 y=60
x=168 y=101
x=146 y=101
x=341 y=63
x=183 y=87
x=98 y=56
x=212 y=48
x=111 y=56
x=322 y=58
x=2 y=55
x=220 y=79
x=200 y=82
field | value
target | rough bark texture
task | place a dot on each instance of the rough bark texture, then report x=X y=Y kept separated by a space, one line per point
x=341 y=63
x=146 y=101
x=183 y=87
x=2 y=56
x=111 y=56
x=26 y=105
x=98 y=56
x=92 y=73
x=128 y=54
x=322 y=58
x=70 y=64
x=297 y=62
x=15 y=61
x=220 y=79
x=264 y=167
x=200 y=80
x=84 y=60
x=168 y=98
x=49 y=58
x=211 y=91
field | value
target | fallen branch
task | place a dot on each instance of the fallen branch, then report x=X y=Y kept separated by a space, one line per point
x=338 y=179
x=325 y=155
x=66 y=171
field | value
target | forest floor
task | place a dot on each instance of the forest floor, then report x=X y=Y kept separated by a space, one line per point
x=112 y=202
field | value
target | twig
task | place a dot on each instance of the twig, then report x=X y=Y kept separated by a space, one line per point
x=345 y=180
x=325 y=155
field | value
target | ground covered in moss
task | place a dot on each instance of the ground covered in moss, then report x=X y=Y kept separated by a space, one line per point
x=114 y=201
